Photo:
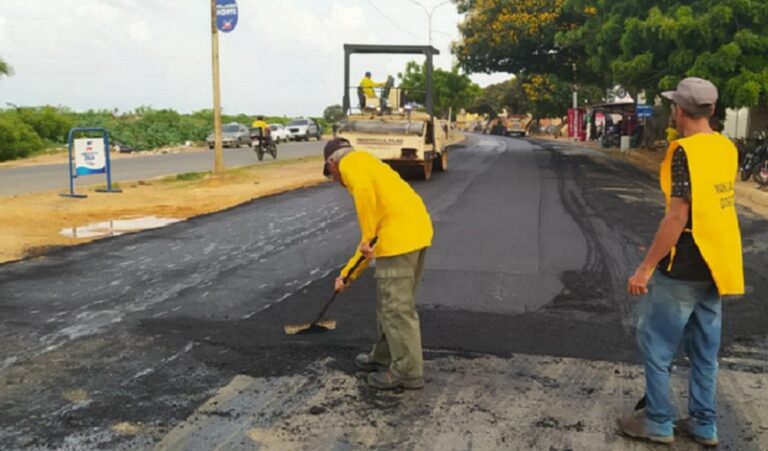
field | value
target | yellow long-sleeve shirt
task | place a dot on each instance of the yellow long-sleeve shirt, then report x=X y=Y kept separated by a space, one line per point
x=260 y=124
x=367 y=84
x=387 y=208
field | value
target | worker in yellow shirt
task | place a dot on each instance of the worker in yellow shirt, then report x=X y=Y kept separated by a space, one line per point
x=367 y=84
x=694 y=261
x=671 y=132
x=260 y=123
x=390 y=210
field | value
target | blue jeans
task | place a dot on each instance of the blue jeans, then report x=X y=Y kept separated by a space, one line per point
x=675 y=311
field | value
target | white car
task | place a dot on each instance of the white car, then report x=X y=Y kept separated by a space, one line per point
x=279 y=133
x=301 y=128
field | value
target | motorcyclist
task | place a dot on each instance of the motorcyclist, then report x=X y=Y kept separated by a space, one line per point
x=260 y=123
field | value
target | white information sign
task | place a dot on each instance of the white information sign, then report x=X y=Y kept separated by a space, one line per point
x=90 y=156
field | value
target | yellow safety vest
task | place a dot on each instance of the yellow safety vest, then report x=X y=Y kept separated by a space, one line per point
x=713 y=164
x=387 y=208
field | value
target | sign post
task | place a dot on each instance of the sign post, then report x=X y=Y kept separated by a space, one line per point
x=644 y=111
x=224 y=18
x=91 y=156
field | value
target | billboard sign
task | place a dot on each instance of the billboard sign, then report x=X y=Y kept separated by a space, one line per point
x=90 y=156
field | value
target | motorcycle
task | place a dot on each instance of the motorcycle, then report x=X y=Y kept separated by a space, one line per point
x=760 y=174
x=262 y=144
x=754 y=160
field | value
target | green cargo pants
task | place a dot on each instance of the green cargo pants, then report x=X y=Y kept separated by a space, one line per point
x=399 y=343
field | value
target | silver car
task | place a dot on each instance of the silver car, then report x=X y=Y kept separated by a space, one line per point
x=233 y=134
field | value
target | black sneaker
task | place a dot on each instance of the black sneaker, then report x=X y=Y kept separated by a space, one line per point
x=365 y=362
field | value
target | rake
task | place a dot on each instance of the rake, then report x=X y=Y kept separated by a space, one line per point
x=321 y=326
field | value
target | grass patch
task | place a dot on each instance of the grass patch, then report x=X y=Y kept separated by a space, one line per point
x=115 y=185
x=186 y=177
x=276 y=163
x=190 y=176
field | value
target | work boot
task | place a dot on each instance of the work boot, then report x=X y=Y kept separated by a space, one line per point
x=386 y=380
x=636 y=426
x=365 y=362
x=702 y=434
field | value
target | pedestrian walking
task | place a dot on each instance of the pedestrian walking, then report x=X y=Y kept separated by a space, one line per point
x=694 y=261
x=390 y=210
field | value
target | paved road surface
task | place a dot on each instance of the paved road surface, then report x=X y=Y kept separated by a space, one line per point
x=48 y=177
x=172 y=338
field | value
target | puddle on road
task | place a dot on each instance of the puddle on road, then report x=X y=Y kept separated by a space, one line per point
x=116 y=227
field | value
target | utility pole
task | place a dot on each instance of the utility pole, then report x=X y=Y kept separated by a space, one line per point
x=218 y=159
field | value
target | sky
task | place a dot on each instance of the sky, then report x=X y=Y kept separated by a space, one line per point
x=285 y=57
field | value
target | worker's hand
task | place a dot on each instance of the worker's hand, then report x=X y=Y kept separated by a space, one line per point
x=637 y=285
x=366 y=249
x=340 y=285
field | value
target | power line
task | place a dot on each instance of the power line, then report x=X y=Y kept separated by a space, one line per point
x=391 y=21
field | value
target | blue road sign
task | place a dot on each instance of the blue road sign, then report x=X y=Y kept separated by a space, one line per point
x=226 y=15
x=644 y=111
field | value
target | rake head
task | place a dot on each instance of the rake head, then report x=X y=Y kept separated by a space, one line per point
x=310 y=328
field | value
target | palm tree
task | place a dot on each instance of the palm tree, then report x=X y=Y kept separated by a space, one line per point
x=5 y=68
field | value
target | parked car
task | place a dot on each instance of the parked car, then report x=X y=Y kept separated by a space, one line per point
x=301 y=128
x=123 y=148
x=233 y=134
x=279 y=133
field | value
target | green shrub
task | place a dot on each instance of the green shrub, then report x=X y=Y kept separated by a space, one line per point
x=50 y=123
x=17 y=139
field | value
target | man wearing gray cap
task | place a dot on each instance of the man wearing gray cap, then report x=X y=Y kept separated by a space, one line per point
x=390 y=211
x=697 y=259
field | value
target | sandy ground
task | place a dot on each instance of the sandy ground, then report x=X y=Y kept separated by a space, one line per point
x=32 y=224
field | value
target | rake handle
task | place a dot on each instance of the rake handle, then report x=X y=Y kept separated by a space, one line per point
x=346 y=279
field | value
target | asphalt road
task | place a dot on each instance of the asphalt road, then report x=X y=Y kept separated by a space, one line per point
x=48 y=177
x=172 y=338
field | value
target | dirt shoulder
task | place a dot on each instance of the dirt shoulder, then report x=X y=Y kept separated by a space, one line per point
x=31 y=224
x=748 y=194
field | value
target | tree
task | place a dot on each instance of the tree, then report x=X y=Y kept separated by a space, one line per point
x=651 y=45
x=333 y=113
x=450 y=88
x=507 y=94
x=643 y=45
x=518 y=37
x=5 y=68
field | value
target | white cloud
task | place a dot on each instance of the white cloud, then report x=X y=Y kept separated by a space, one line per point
x=140 y=31
x=284 y=57
x=2 y=27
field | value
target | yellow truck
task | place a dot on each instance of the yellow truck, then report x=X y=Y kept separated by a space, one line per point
x=517 y=124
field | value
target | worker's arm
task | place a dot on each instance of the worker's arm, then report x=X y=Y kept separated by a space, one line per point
x=667 y=235
x=359 y=183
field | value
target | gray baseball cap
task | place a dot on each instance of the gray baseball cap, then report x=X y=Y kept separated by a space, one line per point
x=692 y=94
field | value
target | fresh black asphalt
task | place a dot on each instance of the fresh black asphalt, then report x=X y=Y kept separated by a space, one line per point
x=533 y=244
